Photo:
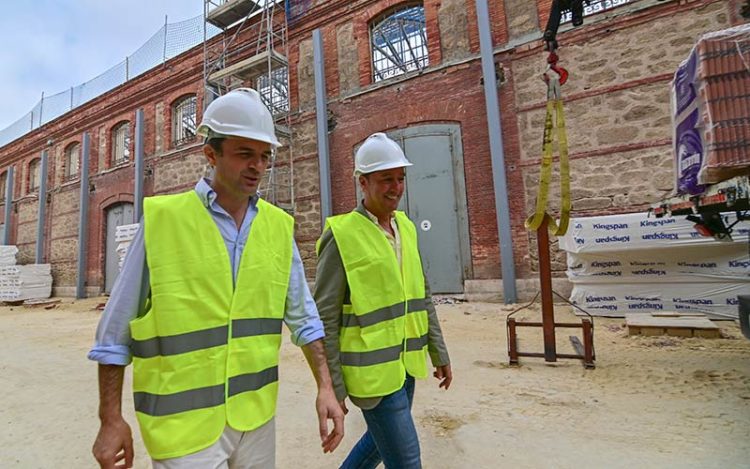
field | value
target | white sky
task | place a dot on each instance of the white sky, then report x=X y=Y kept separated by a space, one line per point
x=51 y=45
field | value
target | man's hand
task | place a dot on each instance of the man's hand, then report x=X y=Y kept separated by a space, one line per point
x=329 y=408
x=445 y=375
x=113 y=444
x=343 y=406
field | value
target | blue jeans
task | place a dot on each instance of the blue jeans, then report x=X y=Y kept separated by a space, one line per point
x=391 y=436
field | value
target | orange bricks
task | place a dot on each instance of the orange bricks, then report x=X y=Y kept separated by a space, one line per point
x=723 y=82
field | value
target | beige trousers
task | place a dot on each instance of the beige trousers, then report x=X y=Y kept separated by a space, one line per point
x=234 y=450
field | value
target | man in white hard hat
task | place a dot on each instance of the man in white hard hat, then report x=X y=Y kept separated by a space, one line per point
x=198 y=308
x=375 y=303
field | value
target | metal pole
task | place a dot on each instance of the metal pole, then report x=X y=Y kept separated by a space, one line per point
x=496 y=153
x=42 y=210
x=512 y=342
x=8 y=204
x=545 y=281
x=83 y=218
x=41 y=109
x=127 y=68
x=321 y=114
x=138 y=191
x=164 y=60
x=71 y=97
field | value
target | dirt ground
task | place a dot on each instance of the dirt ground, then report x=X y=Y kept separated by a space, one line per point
x=650 y=402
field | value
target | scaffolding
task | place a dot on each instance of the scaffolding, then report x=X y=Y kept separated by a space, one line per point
x=251 y=51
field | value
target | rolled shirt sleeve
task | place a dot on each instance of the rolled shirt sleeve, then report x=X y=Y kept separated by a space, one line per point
x=301 y=315
x=112 y=340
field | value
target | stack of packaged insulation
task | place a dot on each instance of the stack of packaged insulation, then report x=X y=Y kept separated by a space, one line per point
x=22 y=282
x=124 y=235
x=634 y=263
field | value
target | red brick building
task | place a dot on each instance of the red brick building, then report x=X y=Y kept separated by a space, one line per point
x=617 y=105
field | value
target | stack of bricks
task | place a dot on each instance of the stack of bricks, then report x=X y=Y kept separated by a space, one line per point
x=724 y=77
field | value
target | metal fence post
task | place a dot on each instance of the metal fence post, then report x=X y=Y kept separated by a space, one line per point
x=164 y=56
x=41 y=109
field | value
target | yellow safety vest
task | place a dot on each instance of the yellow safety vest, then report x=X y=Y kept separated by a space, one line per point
x=206 y=353
x=384 y=329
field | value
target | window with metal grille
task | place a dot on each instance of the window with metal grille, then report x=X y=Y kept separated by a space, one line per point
x=3 y=180
x=399 y=43
x=595 y=6
x=34 y=176
x=274 y=89
x=72 y=162
x=183 y=120
x=121 y=143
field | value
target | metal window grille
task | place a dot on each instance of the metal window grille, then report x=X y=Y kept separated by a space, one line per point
x=399 y=43
x=121 y=144
x=184 y=121
x=274 y=89
x=596 y=6
x=34 y=175
x=72 y=162
x=3 y=180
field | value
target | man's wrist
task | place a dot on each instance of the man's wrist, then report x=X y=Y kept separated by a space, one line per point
x=111 y=417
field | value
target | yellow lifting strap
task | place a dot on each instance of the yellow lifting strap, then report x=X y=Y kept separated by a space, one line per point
x=554 y=109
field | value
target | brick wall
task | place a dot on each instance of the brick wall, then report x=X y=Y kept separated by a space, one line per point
x=616 y=104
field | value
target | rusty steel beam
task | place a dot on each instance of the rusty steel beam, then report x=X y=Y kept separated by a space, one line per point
x=512 y=342
x=545 y=280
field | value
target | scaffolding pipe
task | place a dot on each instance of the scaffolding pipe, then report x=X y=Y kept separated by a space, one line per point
x=8 y=204
x=83 y=218
x=321 y=113
x=138 y=190
x=39 y=259
x=494 y=125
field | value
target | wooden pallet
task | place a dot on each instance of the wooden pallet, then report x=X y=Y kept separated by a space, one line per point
x=674 y=324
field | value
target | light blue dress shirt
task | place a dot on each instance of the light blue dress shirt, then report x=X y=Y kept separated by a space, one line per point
x=132 y=287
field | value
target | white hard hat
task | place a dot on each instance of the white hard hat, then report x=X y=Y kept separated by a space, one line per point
x=379 y=153
x=239 y=113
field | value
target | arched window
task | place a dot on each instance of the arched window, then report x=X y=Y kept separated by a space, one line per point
x=399 y=42
x=121 y=143
x=34 y=175
x=183 y=120
x=72 y=161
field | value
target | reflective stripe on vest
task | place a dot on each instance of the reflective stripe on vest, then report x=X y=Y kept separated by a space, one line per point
x=384 y=329
x=206 y=353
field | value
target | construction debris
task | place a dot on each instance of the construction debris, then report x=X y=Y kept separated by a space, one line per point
x=447 y=300
x=38 y=303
